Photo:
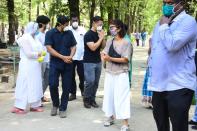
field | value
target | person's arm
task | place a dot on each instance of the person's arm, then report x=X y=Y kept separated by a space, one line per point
x=125 y=56
x=73 y=50
x=103 y=44
x=93 y=46
x=27 y=49
x=174 y=40
x=53 y=52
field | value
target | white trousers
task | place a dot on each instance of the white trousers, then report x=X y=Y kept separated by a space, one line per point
x=22 y=104
x=116 y=100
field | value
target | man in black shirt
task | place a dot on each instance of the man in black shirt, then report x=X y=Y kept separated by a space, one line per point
x=93 y=40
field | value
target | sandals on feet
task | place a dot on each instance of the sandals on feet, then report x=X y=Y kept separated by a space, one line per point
x=38 y=109
x=18 y=111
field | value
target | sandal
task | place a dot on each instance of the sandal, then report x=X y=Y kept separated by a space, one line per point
x=18 y=111
x=38 y=109
x=109 y=122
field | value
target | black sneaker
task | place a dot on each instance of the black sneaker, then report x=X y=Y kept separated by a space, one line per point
x=191 y=122
x=86 y=103
x=94 y=104
x=72 y=97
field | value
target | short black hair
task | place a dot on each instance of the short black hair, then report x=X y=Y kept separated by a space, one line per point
x=178 y=1
x=96 y=19
x=61 y=20
x=42 y=19
x=120 y=25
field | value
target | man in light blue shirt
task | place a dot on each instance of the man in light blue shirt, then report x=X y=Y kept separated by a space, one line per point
x=172 y=67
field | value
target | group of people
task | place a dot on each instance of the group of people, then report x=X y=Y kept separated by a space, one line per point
x=140 y=36
x=47 y=55
x=170 y=74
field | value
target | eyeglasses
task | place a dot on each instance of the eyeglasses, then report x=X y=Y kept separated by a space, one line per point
x=111 y=27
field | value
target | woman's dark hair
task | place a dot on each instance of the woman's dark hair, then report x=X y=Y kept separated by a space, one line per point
x=61 y=20
x=120 y=25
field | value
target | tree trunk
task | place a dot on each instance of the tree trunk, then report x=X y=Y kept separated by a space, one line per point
x=11 y=33
x=2 y=33
x=92 y=9
x=38 y=9
x=29 y=4
x=74 y=8
x=102 y=8
x=117 y=11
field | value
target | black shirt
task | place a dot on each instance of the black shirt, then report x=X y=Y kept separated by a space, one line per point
x=62 y=43
x=89 y=55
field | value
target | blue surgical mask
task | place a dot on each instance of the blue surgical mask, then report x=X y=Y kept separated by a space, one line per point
x=168 y=10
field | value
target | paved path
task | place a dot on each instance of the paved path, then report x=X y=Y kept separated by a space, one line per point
x=79 y=118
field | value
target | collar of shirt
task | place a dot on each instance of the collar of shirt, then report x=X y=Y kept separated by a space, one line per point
x=179 y=16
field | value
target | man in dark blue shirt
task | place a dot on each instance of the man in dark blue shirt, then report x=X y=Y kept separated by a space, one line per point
x=60 y=43
x=93 y=41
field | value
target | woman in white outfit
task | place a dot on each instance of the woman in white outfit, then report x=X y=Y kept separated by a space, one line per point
x=29 y=82
x=117 y=53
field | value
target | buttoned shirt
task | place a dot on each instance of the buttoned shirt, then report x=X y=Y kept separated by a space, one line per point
x=79 y=37
x=171 y=61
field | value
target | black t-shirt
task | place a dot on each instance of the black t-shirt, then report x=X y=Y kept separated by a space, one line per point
x=89 y=55
x=62 y=43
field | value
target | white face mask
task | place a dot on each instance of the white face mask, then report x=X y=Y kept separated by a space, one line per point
x=75 y=24
x=47 y=26
x=99 y=28
x=66 y=28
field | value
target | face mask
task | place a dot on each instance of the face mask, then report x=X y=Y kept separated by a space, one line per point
x=66 y=28
x=113 y=33
x=99 y=28
x=168 y=10
x=47 y=27
x=75 y=25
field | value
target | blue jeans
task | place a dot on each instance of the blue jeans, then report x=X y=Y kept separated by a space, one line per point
x=92 y=72
x=145 y=91
x=195 y=113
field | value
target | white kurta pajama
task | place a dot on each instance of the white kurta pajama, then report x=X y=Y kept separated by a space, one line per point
x=116 y=100
x=29 y=82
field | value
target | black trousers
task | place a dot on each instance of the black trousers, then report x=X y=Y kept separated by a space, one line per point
x=78 y=65
x=66 y=75
x=172 y=106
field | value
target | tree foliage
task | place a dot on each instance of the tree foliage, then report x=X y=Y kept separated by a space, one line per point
x=137 y=14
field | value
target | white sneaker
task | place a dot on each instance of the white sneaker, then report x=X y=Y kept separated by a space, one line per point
x=109 y=122
x=125 y=128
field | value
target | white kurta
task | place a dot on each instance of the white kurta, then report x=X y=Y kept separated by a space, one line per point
x=29 y=81
x=116 y=100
